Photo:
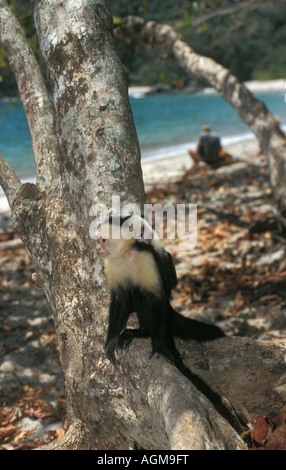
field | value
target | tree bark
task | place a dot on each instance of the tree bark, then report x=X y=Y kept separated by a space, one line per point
x=96 y=156
x=252 y=111
x=34 y=96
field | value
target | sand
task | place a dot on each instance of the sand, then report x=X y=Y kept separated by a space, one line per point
x=255 y=86
x=170 y=169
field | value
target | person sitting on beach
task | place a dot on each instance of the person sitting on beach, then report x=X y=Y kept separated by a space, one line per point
x=209 y=150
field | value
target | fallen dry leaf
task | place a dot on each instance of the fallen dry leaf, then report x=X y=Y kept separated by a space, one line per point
x=56 y=434
x=260 y=431
x=7 y=416
x=8 y=431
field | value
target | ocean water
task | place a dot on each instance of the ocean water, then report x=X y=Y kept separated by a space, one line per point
x=167 y=124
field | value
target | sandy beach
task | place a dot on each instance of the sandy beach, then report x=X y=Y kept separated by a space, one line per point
x=171 y=169
x=255 y=86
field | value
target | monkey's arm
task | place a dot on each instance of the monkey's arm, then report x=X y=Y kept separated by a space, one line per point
x=119 y=310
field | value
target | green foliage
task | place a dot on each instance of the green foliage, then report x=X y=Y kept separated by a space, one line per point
x=187 y=19
x=273 y=66
x=250 y=41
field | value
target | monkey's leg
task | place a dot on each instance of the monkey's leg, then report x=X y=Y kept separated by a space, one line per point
x=162 y=340
x=163 y=343
x=129 y=334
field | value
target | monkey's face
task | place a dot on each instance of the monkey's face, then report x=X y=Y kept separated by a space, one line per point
x=102 y=247
x=116 y=241
x=109 y=247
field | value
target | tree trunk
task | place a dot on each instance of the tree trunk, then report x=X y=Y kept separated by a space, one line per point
x=252 y=111
x=89 y=139
x=87 y=150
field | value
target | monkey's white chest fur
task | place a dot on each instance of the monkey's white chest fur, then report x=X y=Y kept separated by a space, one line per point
x=136 y=268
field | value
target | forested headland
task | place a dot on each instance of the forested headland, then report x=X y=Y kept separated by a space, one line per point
x=249 y=38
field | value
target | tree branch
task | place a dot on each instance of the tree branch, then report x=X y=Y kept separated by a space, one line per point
x=95 y=127
x=217 y=13
x=34 y=95
x=190 y=419
x=179 y=416
x=251 y=375
x=8 y=180
x=221 y=12
x=252 y=111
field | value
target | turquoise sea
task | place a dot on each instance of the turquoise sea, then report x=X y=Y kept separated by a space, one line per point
x=167 y=124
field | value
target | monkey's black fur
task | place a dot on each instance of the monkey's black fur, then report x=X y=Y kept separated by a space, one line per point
x=157 y=319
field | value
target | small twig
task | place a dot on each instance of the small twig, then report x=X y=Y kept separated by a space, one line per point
x=9 y=180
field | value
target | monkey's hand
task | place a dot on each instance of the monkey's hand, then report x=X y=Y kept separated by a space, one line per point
x=110 y=348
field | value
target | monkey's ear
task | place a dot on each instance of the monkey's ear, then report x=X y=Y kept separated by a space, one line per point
x=138 y=231
x=142 y=232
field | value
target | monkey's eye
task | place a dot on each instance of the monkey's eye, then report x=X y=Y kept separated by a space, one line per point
x=104 y=240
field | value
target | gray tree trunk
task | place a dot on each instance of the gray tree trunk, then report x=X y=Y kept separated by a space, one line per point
x=86 y=150
x=252 y=111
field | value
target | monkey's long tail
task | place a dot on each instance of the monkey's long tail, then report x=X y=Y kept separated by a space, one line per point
x=222 y=405
x=186 y=328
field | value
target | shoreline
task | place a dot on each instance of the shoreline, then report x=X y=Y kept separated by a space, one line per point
x=170 y=169
x=255 y=86
x=162 y=166
x=166 y=170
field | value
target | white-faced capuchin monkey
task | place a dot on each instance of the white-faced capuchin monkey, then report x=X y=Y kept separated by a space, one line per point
x=141 y=275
